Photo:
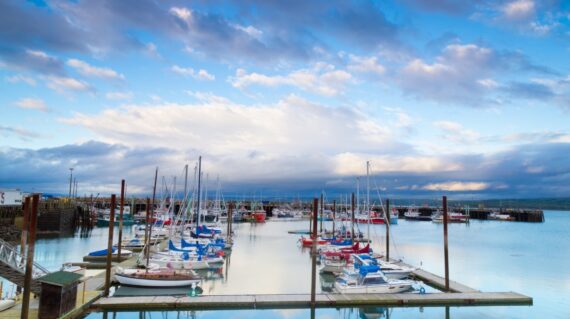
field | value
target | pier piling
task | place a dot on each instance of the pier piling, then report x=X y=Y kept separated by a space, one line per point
x=33 y=214
x=110 y=247
x=445 y=251
x=314 y=253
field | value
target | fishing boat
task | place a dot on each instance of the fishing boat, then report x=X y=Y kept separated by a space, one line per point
x=370 y=279
x=158 y=278
x=414 y=214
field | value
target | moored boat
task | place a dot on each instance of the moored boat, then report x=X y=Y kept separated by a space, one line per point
x=159 y=278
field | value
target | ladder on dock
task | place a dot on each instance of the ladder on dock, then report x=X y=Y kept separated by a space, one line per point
x=13 y=267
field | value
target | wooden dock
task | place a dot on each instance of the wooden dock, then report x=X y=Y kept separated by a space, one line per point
x=277 y=301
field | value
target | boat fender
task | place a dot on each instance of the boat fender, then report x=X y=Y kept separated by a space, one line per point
x=422 y=291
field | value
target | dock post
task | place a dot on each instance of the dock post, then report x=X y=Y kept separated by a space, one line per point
x=352 y=217
x=229 y=230
x=387 y=219
x=334 y=215
x=121 y=217
x=314 y=252
x=110 y=247
x=445 y=251
x=30 y=256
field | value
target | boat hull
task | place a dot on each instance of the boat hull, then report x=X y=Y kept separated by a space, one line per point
x=157 y=283
x=373 y=289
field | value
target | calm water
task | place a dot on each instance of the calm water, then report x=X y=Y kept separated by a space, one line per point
x=529 y=258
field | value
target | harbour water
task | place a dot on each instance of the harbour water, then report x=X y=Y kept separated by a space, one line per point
x=530 y=258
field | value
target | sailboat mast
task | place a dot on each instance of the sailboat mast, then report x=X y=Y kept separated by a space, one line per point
x=368 y=196
x=185 y=181
x=199 y=181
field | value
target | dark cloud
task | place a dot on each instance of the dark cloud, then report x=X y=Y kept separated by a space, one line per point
x=530 y=170
x=21 y=133
x=531 y=91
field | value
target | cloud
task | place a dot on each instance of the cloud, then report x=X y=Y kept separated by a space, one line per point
x=365 y=65
x=34 y=60
x=32 y=104
x=21 y=78
x=89 y=70
x=456 y=133
x=519 y=10
x=23 y=134
x=321 y=79
x=66 y=84
x=457 y=186
x=463 y=74
x=447 y=6
x=119 y=95
x=200 y=75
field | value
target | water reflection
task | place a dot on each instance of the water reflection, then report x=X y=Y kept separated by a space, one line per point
x=342 y=313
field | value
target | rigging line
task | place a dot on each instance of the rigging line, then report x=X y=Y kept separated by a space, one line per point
x=386 y=219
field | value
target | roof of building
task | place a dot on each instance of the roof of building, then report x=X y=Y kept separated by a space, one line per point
x=60 y=278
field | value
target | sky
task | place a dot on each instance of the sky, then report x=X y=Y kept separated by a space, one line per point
x=465 y=98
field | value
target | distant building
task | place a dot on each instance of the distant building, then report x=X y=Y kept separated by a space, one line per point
x=11 y=197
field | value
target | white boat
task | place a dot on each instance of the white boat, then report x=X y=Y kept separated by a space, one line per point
x=452 y=217
x=176 y=261
x=390 y=270
x=371 y=282
x=159 y=278
x=6 y=304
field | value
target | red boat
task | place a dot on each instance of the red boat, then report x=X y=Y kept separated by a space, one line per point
x=258 y=216
x=375 y=218
x=307 y=242
x=355 y=249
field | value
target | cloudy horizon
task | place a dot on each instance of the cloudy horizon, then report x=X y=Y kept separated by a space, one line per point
x=468 y=99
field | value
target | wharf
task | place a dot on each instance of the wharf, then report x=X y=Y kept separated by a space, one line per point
x=304 y=301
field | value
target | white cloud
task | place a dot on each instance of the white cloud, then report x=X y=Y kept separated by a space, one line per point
x=321 y=79
x=64 y=84
x=119 y=95
x=519 y=10
x=457 y=186
x=352 y=164
x=21 y=78
x=365 y=65
x=250 y=30
x=299 y=137
x=182 y=13
x=200 y=75
x=456 y=133
x=32 y=104
x=89 y=70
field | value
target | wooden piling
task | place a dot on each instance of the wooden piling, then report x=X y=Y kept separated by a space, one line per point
x=314 y=253
x=387 y=220
x=121 y=216
x=110 y=247
x=30 y=256
x=445 y=251
x=322 y=210
x=334 y=215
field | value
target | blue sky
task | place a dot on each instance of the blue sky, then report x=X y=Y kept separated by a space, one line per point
x=466 y=98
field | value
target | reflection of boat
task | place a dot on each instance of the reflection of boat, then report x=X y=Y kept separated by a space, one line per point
x=371 y=312
x=307 y=242
x=162 y=277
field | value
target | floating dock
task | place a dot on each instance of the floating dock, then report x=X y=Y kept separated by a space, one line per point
x=276 y=301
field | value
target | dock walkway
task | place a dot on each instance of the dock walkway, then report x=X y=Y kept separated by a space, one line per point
x=303 y=301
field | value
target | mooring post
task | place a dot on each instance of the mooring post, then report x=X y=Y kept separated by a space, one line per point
x=445 y=251
x=121 y=217
x=352 y=203
x=334 y=215
x=110 y=247
x=30 y=256
x=387 y=220
x=25 y=225
x=229 y=230
x=314 y=253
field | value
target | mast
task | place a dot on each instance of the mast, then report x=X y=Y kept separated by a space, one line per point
x=185 y=180
x=368 y=196
x=199 y=181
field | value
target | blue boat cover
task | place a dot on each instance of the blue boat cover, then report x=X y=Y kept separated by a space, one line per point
x=102 y=252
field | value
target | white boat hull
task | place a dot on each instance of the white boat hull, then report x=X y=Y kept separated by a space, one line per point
x=388 y=288
x=180 y=264
x=157 y=283
x=6 y=304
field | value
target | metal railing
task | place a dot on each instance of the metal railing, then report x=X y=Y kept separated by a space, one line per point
x=11 y=257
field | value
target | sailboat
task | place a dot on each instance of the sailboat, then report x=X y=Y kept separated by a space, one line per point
x=159 y=278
